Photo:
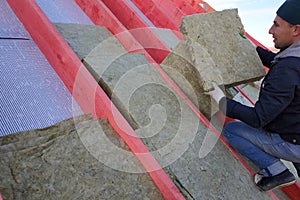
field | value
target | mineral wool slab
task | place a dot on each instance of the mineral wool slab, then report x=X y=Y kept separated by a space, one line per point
x=220 y=35
x=213 y=50
x=180 y=61
x=74 y=159
x=83 y=38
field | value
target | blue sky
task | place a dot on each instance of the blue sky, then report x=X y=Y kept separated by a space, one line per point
x=257 y=16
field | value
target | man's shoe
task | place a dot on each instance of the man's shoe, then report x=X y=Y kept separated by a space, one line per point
x=297 y=166
x=285 y=178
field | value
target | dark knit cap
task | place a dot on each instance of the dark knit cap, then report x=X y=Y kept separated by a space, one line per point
x=290 y=11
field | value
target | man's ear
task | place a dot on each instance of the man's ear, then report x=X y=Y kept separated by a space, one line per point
x=297 y=31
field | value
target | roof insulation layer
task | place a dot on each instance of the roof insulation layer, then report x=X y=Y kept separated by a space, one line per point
x=56 y=12
x=32 y=95
x=10 y=26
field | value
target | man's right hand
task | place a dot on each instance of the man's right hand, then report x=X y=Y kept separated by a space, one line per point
x=217 y=94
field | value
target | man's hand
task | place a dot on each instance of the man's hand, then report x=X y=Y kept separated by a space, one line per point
x=217 y=94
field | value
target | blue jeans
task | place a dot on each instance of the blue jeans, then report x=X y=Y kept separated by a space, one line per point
x=264 y=149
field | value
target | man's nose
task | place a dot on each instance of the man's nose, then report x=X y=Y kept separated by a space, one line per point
x=271 y=30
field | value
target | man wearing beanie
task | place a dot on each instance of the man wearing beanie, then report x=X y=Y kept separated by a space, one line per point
x=269 y=132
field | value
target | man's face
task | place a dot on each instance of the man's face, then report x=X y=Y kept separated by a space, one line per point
x=282 y=32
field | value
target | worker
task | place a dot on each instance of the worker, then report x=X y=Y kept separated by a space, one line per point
x=269 y=132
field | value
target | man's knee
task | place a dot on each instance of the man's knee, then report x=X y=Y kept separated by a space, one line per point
x=230 y=129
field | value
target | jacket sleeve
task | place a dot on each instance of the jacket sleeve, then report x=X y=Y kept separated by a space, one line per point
x=236 y=110
x=276 y=94
x=265 y=56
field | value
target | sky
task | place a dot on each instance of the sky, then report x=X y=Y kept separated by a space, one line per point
x=257 y=16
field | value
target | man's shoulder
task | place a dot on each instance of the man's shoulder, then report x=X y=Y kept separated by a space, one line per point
x=287 y=69
x=292 y=62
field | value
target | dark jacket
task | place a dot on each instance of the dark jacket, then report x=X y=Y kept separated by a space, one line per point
x=278 y=107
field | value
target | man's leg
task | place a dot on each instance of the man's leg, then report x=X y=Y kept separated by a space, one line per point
x=263 y=149
x=248 y=141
